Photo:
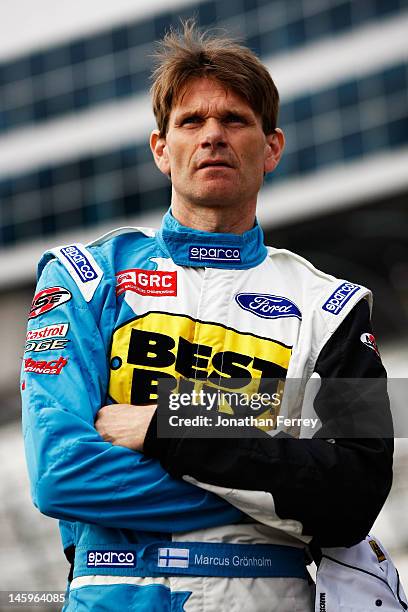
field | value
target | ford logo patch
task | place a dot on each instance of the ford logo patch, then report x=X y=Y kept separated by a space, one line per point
x=268 y=306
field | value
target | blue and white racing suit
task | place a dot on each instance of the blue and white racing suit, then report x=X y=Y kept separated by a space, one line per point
x=107 y=322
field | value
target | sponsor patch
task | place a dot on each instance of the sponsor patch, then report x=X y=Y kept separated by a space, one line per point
x=80 y=262
x=160 y=346
x=58 y=330
x=82 y=267
x=147 y=282
x=214 y=254
x=268 y=306
x=111 y=558
x=377 y=550
x=45 y=367
x=369 y=340
x=49 y=344
x=47 y=300
x=340 y=297
x=173 y=557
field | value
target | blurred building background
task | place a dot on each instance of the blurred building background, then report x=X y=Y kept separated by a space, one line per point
x=74 y=162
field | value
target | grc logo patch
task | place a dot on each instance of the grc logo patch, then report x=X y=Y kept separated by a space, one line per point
x=268 y=306
x=47 y=300
x=214 y=254
x=147 y=282
x=53 y=367
x=111 y=558
x=340 y=297
x=80 y=263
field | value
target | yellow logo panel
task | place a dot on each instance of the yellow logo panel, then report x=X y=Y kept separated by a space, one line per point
x=177 y=347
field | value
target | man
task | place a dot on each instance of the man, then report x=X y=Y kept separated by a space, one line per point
x=200 y=300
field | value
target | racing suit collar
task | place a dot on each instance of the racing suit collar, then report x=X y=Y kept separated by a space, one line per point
x=190 y=247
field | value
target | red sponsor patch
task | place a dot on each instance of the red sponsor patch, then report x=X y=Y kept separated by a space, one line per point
x=45 y=367
x=369 y=340
x=47 y=299
x=23 y=385
x=147 y=282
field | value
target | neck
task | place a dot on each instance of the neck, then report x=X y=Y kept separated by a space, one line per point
x=214 y=219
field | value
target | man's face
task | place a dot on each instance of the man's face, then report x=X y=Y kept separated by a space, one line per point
x=215 y=149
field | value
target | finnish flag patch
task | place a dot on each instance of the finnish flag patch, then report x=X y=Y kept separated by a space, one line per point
x=173 y=557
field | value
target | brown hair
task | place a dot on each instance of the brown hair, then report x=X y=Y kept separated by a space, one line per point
x=188 y=54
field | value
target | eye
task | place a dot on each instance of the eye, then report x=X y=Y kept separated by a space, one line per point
x=191 y=120
x=234 y=118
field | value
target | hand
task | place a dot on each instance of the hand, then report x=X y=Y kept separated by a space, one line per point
x=124 y=424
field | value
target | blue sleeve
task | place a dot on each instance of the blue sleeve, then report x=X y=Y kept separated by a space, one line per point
x=75 y=475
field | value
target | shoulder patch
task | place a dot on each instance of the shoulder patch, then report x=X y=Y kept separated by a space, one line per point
x=340 y=296
x=82 y=267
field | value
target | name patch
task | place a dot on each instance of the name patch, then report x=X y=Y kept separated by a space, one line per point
x=80 y=263
x=214 y=254
x=147 y=282
x=340 y=297
x=268 y=306
x=111 y=558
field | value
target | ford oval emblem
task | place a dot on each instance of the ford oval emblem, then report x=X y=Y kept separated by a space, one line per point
x=268 y=306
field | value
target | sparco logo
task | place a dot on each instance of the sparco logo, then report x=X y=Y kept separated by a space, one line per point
x=80 y=263
x=322 y=602
x=47 y=299
x=268 y=306
x=221 y=254
x=340 y=297
x=111 y=558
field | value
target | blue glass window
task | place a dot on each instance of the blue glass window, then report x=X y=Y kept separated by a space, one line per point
x=352 y=145
x=383 y=7
x=348 y=94
x=302 y=108
x=124 y=86
x=340 y=17
x=140 y=33
x=296 y=32
x=120 y=40
x=161 y=24
x=81 y=98
x=395 y=79
x=98 y=45
x=306 y=159
x=398 y=132
x=207 y=13
x=15 y=71
x=77 y=52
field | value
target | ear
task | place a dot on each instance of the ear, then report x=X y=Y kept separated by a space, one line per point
x=158 y=147
x=275 y=143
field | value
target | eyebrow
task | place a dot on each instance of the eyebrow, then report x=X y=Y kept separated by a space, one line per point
x=179 y=116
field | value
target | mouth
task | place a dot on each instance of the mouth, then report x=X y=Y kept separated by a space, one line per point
x=213 y=163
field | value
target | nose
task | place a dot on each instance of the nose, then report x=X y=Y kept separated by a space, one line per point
x=213 y=134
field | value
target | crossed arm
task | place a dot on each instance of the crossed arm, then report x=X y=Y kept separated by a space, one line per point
x=335 y=490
